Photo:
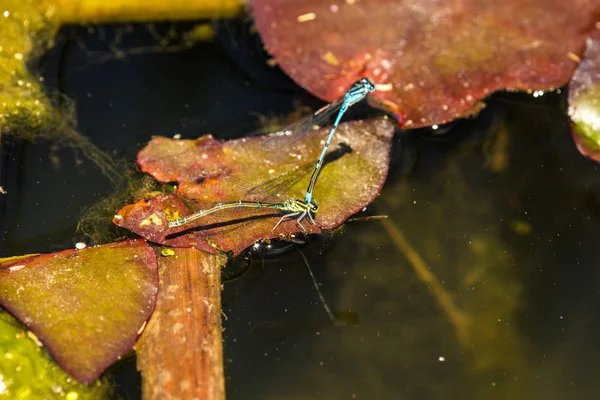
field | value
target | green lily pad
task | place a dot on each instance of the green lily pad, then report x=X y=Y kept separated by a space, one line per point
x=211 y=172
x=86 y=306
x=584 y=101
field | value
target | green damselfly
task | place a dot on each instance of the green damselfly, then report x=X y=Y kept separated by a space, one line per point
x=294 y=208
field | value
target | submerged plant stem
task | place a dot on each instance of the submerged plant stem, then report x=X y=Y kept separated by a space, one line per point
x=456 y=317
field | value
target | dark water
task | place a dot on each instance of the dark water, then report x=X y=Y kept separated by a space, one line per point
x=501 y=209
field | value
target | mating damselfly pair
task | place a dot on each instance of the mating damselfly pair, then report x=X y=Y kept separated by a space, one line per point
x=296 y=208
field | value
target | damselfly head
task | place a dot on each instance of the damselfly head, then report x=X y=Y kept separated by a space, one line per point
x=314 y=207
x=359 y=90
x=365 y=82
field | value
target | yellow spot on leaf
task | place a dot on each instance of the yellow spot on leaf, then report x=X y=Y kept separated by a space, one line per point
x=153 y=219
x=306 y=17
x=573 y=57
x=172 y=215
x=330 y=59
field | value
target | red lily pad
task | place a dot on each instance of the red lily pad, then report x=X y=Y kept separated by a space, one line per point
x=214 y=172
x=86 y=306
x=433 y=61
x=584 y=101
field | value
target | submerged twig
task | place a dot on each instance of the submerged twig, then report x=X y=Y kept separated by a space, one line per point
x=456 y=317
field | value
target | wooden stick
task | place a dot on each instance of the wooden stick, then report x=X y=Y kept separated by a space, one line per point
x=180 y=353
x=98 y=11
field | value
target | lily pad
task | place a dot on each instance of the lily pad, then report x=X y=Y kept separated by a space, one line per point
x=28 y=372
x=210 y=172
x=86 y=306
x=433 y=61
x=584 y=101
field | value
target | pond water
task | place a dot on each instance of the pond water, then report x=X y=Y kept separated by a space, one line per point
x=482 y=282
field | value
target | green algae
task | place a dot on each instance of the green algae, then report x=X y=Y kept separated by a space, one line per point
x=27 y=29
x=28 y=372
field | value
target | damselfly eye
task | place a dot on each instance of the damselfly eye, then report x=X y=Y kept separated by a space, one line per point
x=314 y=206
x=368 y=84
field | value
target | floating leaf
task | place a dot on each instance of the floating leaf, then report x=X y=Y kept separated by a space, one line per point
x=86 y=306
x=28 y=372
x=212 y=172
x=434 y=61
x=584 y=101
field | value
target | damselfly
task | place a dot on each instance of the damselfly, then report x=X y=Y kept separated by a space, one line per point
x=357 y=92
x=294 y=207
x=298 y=208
